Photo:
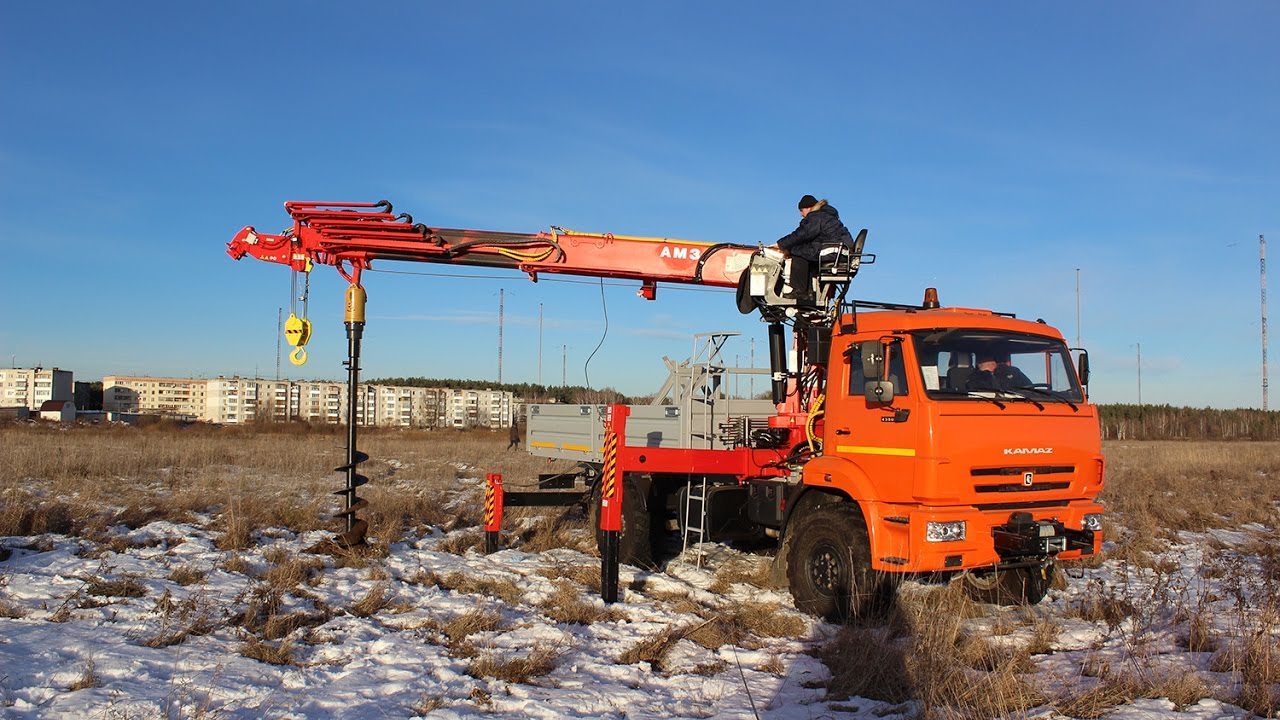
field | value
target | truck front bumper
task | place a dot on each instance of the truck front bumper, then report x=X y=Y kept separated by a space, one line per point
x=921 y=539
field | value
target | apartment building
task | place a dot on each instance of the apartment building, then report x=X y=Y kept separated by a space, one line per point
x=33 y=387
x=476 y=408
x=237 y=400
x=182 y=398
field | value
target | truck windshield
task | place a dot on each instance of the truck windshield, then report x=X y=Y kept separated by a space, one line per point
x=961 y=363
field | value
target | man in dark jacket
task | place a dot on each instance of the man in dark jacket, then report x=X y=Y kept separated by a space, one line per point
x=819 y=225
x=513 y=439
x=996 y=372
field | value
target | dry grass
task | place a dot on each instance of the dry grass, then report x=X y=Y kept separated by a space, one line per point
x=774 y=666
x=188 y=574
x=587 y=576
x=927 y=653
x=539 y=661
x=179 y=620
x=428 y=704
x=127 y=586
x=679 y=601
x=88 y=678
x=742 y=624
x=458 y=631
x=272 y=653
x=566 y=605
x=376 y=599
x=1255 y=660
x=653 y=649
x=288 y=571
x=503 y=589
x=548 y=529
x=84 y=478
x=1113 y=690
x=10 y=611
x=1156 y=487
x=753 y=571
x=459 y=543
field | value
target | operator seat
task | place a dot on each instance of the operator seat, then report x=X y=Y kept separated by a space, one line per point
x=838 y=262
x=960 y=370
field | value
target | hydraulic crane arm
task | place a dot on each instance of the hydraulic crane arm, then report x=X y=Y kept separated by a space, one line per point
x=350 y=236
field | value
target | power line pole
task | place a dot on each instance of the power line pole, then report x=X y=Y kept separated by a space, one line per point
x=1262 y=267
x=279 y=325
x=1139 y=374
x=1078 y=308
x=564 y=364
x=501 y=303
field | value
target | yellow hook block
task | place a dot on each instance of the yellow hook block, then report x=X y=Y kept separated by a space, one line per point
x=298 y=332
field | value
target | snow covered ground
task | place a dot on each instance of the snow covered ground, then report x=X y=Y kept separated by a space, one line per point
x=159 y=622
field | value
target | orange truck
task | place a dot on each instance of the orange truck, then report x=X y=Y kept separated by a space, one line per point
x=900 y=441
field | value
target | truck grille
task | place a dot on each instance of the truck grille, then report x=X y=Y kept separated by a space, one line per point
x=1019 y=487
x=1037 y=472
x=1023 y=505
x=1019 y=470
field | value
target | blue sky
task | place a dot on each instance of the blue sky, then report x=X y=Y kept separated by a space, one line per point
x=990 y=148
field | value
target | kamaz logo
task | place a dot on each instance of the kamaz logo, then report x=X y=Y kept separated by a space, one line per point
x=680 y=253
x=1028 y=451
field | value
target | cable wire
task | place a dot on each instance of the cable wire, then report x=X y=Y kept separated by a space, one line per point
x=605 y=309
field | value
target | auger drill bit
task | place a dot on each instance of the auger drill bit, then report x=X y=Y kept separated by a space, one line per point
x=355 y=527
x=351 y=503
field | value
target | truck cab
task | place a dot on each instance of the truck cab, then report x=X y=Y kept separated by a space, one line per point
x=965 y=441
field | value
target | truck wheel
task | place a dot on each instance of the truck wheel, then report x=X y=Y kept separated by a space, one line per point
x=1016 y=586
x=829 y=564
x=634 y=544
x=746 y=303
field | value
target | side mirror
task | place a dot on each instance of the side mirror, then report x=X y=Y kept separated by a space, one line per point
x=872 y=360
x=1082 y=367
x=879 y=391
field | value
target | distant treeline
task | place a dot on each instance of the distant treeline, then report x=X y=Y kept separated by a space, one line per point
x=1165 y=422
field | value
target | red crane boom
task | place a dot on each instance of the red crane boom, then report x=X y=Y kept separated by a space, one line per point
x=351 y=236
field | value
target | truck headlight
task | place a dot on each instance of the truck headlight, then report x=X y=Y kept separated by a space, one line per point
x=1093 y=521
x=944 y=531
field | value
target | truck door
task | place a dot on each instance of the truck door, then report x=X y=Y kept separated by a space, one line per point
x=876 y=434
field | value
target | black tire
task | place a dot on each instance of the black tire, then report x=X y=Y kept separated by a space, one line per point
x=635 y=547
x=829 y=564
x=746 y=303
x=1016 y=586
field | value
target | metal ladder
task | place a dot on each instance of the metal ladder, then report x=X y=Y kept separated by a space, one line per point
x=700 y=527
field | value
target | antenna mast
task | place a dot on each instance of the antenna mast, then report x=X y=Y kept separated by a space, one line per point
x=1262 y=267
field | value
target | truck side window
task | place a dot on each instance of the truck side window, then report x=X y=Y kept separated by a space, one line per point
x=897 y=372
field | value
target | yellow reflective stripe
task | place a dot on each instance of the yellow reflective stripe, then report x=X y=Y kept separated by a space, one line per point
x=633 y=238
x=867 y=450
x=553 y=446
